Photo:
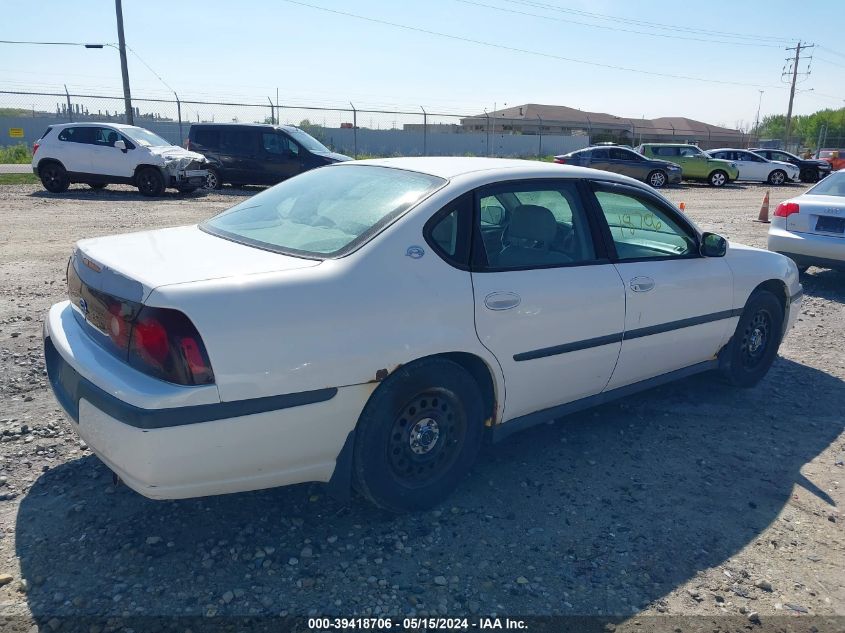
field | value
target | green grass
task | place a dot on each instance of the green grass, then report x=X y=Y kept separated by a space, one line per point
x=18 y=179
x=18 y=154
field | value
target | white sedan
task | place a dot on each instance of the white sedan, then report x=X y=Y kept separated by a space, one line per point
x=366 y=324
x=810 y=229
x=754 y=167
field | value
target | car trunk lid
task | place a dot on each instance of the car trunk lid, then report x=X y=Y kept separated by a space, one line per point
x=130 y=266
x=818 y=215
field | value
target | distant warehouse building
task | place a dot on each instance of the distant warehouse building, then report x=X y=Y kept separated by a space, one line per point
x=533 y=118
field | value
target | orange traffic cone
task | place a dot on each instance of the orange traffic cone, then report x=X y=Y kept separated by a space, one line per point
x=682 y=206
x=764 y=210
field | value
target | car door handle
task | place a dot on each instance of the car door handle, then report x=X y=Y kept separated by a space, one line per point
x=502 y=300
x=641 y=284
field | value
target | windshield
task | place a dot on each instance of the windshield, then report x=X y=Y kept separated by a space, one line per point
x=323 y=212
x=145 y=138
x=833 y=185
x=306 y=140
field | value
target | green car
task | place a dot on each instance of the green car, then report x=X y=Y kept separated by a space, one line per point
x=694 y=163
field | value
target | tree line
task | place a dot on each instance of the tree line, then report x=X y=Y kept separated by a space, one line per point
x=806 y=127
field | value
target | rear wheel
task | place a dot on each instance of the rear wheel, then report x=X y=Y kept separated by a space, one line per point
x=54 y=177
x=657 y=179
x=718 y=178
x=418 y=435
x=150 y=182
x=755 y=343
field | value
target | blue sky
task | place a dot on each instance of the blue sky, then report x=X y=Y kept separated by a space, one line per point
x=247 y=49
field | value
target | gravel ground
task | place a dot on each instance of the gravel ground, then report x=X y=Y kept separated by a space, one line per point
x=693 y=500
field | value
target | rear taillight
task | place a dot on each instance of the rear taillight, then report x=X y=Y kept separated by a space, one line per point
x=560 y=161
x=165 y=344
x=35 y=147
x=785 y=209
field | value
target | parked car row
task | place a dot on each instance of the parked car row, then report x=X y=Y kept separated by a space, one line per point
x=661 y=164
x=99 y=154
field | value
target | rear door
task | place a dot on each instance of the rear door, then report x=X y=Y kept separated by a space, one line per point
x=678 y=304
x=73 y=148
x=548 y=302
x=600 y=159
x=753 y=167
x=239 y=155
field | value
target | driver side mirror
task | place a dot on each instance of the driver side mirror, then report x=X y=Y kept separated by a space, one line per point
x=120 y=145
x=713 y=245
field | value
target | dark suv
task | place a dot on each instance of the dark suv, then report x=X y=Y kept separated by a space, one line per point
x=257 y=154
x=812 y=170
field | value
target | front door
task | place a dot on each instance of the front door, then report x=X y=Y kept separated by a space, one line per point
x=107 y=160
x=679 y=305
x=548 y=303
x=281 y=157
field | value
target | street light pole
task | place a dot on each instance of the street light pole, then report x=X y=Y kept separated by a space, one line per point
x=757 y=121
x=124 y=68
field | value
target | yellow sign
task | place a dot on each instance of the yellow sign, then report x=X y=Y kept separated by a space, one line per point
x=16 y=132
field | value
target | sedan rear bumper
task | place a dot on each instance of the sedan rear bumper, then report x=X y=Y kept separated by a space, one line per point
x=205 y=449
x=807 y=249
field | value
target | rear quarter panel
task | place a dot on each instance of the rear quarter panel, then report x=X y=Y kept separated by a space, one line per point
x=346 y=321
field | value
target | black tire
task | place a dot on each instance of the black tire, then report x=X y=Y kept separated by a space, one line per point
x=755 y=343
x=718 y=178
x=777 y=177
x=212 y=181
x=54 y=177
x=418 y=436
x=657 y=179
x=150 y=182
x=97 y=185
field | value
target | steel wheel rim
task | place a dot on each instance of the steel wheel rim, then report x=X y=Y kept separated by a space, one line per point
x=51 y=174
x=755 y=339
x=658 y=179
x=425 y=437
x=146 y=182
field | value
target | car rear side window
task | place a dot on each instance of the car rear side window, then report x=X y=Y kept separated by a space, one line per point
x=237 y=141
x=526 y=225
x=207 y=138
x=79 y=134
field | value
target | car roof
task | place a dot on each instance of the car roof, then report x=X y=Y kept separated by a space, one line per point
x=119 y=126
x=669 y=145
x=449 y=167
x=255 y=125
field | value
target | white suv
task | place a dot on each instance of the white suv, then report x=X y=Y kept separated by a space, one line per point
x=101 y=153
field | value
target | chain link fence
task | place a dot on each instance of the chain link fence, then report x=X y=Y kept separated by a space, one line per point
x=356 y=132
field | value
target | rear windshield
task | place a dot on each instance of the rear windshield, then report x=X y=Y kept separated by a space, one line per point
x=833 y=185
x=324 y=212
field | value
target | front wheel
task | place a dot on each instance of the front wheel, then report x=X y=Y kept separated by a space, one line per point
x=777 y=177
x=212 y=180
x=150 y=182
x=718 y=178
x=755 y=342
x=657 y=179
x=418 y=435
x=54 y=177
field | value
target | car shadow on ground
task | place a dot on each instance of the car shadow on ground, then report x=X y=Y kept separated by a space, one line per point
x=825 y=283
x=82 y=192
x=603 y=512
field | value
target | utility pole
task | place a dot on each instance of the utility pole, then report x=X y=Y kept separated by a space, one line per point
x=757 y=121
x=794 y=60
x=124 y=68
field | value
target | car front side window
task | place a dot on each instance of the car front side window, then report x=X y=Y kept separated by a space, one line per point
x=640 y=228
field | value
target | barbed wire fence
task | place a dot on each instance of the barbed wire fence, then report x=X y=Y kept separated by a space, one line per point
x=358 y=132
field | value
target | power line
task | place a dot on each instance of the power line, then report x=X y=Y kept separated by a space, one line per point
x=86 y=45
x=827 y=61
x=526 y=51
x=658 y=25
x=618 y=29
